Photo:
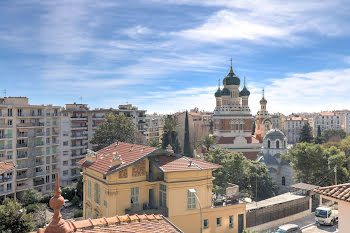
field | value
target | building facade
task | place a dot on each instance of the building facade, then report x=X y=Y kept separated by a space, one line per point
x=134 y=179
x=293 y=124
x=153 y=127
x=326 y=120
x=232 y=119
x=79 y=124
x=29 y=138
x=275 y=145
x=278 y=121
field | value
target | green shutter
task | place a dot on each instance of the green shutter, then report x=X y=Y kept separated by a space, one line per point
x=53 y=150
x=9 y=133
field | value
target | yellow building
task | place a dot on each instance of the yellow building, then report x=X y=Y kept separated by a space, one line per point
x=134 y=179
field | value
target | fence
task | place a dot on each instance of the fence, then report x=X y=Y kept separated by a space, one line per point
x=277 y=211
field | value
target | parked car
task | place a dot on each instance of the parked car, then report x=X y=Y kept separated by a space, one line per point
x=67 y=203
x=325 y=215
x=288 y=228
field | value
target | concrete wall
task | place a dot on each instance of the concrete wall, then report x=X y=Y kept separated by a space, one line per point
x=344 y=216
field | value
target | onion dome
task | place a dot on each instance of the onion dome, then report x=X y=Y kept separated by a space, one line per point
x=244 y=91
x=263 y=100
x=225 y=92
x=218 y=93
x=231 y=79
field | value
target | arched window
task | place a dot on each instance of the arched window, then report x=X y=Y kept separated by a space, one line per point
x=283 y=180
x=268 y=144
x=277 y=144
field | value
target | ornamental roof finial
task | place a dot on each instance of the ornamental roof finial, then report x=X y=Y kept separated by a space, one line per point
x=263 y=93
x=219 y=83
x=244 y=81
x=231 y=65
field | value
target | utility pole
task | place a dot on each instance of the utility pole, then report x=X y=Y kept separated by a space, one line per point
x=335 y=174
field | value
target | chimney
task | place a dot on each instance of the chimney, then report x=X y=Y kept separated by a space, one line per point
x=190 y=163
x=116 y=159
x=91 y=156
x=169 y=148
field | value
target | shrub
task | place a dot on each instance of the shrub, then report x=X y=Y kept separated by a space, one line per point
x=76 y=201
x=68 y=192
x=31 y=196
x=78 y=214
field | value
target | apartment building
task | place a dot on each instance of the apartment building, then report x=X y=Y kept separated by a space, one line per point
x=153 y=127
x=326 y=120
x=29 y=138
x=132 y=179
x=78 y=124
x=292 y=125
x=278 y=121
x=347 y=122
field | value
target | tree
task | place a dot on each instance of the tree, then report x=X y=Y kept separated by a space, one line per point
x=153 y=142
x=170 y=135
x=334 y=134
x=114 y=128
x=208 y=141
x=306 y=133
x=238 y=170
x=319 y=139
x=31 y=196
x=345 y=146
x=314 y=163
x=68 y=192
x=13 y=219
x=80 y=188
x=187 y=145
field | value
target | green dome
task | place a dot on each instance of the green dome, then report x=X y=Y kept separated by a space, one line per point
x=218 y=93
x=225 y=91
x=244 y=92
x=231 y=79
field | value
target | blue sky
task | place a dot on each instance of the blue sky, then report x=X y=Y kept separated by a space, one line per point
x=167 y=55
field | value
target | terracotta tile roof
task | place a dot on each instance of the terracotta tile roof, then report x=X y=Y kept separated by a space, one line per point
x=176 y=163
x=125 y=223
x=129 y=153
x=327 y=113
x=251 y=155
x=6 y=166
x=296 y=119
x=340 y=192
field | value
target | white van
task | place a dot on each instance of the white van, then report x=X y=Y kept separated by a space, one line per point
x=325 y=215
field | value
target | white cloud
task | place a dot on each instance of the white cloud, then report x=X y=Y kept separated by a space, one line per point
x=137 y=31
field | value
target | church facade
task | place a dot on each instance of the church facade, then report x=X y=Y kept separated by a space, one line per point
x=232 y=118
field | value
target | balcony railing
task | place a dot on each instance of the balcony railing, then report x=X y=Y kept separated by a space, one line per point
x=39 y=163
x=55 y=134
x=30 y=124
x=39 y=134
x=20 y=177
x=5 y=126
x=21 y=156
x=38 y=153
x=41 y=173
x=5 y=179
x=6 y=147
x=38 y=182
x=22 y=135
x=95 y=116
x=3 y=136
x=162 y=211
x=30 y=115
x=21 y=166
x=54 y=160
x=38 y=143
x=22 y=145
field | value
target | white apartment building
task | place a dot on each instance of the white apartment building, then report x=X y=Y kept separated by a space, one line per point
x=29 y=138
x=154 y=127
x=347 y=122
x=326 y=120
x=78 y=125
x=278 y=121
x=292 y=125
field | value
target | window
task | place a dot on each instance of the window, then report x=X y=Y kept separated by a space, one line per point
x=9 y=187
x=191 y=200
x=283 y=180
x=277 y=144
x=231 y=221
x=218 y=222
x=205 y=223
x=65 y=173
x=65 y=163
x=97 y=193
x=162 y=195
x=268 y=144
x=135 y=191
x=89 y=188
x=65 y=143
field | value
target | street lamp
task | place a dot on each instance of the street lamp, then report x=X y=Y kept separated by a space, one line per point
x=193 y=191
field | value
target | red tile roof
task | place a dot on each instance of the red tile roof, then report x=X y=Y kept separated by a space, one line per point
x=125 y=223
x=251 y=155
x=181 y=163
x=6 y=166
x=129 y=153
x=340 y=192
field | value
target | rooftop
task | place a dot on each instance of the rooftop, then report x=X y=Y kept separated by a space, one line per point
x=340 y=192
x=6 y=166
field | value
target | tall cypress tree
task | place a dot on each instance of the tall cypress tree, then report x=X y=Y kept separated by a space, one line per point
x=306 y=133
x=187 y=146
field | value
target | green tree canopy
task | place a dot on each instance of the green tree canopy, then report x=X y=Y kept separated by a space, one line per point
x=154 y=142
x=238 y=170
x=314 y=164
x=114 y=128
x=345 y=146
x=170 y=135
x=305 y=134
x=31 y=196
x=13 y=218
x=333 y=134
x=208 y=141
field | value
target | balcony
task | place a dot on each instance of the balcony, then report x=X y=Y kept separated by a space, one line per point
x=29 y=125
x=22 y=134
x=39 y=144
x=26 y=115
x=78 y=155
x=40 y=163
x=5 y=126
x=22 y=166
x=21 y=177
x=81 y=136
x=4 y=115
x=79 y=127
x=99 y=117
x=38 y=182
x=78 y=118
x=78 y=146
x=3 y=136
x=22 y=155
x=55 y=133
x=5 y=147
x=38 y=153
x=40 y=173
x=4 y=191
x=39 y=134
x=54 y=160
x=162 y=211
x=5 y=179
x=23 y=145
x=55 y=143
x=22 y=187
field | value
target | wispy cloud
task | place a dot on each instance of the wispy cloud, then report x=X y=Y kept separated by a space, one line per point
x=137 y=31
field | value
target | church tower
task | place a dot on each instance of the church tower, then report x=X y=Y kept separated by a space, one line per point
x=263 y=122
x=232 y=117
